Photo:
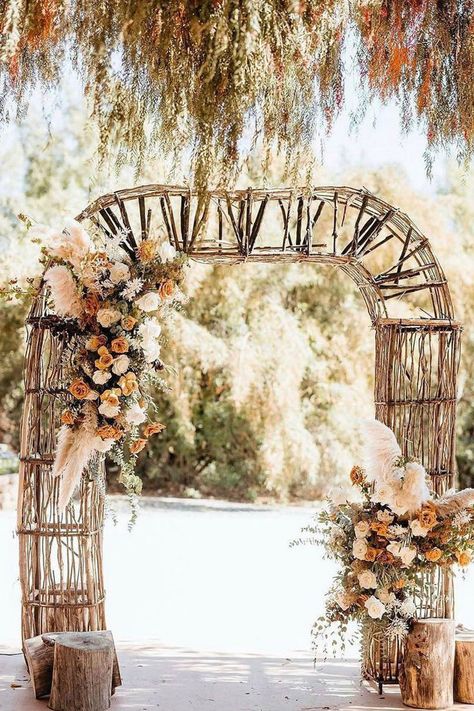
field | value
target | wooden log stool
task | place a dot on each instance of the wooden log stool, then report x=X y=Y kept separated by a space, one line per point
x=426 y=679
x=464 y=666
x=73 y=663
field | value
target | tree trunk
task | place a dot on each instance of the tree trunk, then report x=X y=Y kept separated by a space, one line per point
x=426 y=679
x=464 y=668
x=82 y=672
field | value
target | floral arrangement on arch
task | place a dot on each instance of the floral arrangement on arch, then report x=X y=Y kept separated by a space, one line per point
x=395 y=530
x=115 y=298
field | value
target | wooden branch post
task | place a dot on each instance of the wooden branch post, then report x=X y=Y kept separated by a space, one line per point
x=82 y=672
x=464 y=667
x=426 y=679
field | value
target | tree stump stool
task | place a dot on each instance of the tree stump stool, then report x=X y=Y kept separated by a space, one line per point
x=464 y=667
x=426 y=679
x=82 y=672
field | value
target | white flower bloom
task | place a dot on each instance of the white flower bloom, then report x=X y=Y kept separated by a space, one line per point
x=338 y=496
x=149 y=332
x=100 y=377
x=408 y=608
x=385 y=596
x=107 y=317
x=133 y=287
x=417 y=529
x=119 y=271
x=109 y=410
x=385 y=516
x=397 y=530
x=102 y=445
x=398 y=629
x=362 y=529
x=462 y=518
x=359 y=548
x=406 y=553
x=121 y=364
x=63 y=291
x=135 y=415
x=375 y=608
x=166 y=251
x=367 y=580
x=149 y=301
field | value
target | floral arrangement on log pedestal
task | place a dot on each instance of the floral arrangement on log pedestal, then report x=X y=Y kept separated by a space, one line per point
x=389 y=542
x=113 y=295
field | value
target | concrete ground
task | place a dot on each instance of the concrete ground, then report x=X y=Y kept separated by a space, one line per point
x=211 y=610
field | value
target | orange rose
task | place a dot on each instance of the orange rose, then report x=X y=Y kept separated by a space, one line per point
x=381 y=529
x=146 y=250
x=433 y=555
x=109 y=432
x=96 y=342
x=427 y=516
x=111 y=397
x=357 y=476
x=153 y=428
x=464 y=558
x=138 y=445
x=128 y=322
x=91 y=304
x=105 y=360
x=166 y=288
x=128 y=383
x=67 y=418
x=119 y=345
x=79 y=389
x=371 y=554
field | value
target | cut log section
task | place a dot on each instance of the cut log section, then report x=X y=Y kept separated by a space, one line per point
x=426 y=679
x=464 y=667
x=82 y=672
x=39 y=655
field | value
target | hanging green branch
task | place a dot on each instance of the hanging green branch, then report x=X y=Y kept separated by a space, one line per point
x=212 y=77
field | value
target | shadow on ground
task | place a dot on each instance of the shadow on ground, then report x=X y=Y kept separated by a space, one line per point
x=179 y=679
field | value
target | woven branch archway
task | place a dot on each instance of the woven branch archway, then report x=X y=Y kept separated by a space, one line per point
x=416 y=359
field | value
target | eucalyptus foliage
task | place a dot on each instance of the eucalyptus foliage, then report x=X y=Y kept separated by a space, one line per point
x=212 y=79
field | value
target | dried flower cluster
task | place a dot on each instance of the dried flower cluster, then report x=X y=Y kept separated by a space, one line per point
x=383 y=545
x=113 y=297
x=205 y=75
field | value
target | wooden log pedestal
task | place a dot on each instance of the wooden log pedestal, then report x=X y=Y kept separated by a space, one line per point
x=427 y=670
x=74 y=668
x=464 y=667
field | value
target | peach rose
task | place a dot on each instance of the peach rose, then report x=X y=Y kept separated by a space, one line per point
x=106 y=359
x=128 y=383
x=79 y=389
x=67 y=418
x=166 y=288
x=119 y=345
x=381 y=529
x=153 y=428
x=138 y=445
x=128 y=322
x=427 y=517
x=433 y=555
x=371 y=554
x=109 y=432
x=464 y=558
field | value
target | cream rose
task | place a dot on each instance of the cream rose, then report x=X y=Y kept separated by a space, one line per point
x=417 y=529
x=107 y=317
x=109 y=410
x=375 y=607
x=406 y=553
x=119 y=272
x=120 y=364
x=149 y=332
x=362 y=529
x=148 y=302
x=100 y=377
x=386 y=596
x=359 y=548
x=367 y=580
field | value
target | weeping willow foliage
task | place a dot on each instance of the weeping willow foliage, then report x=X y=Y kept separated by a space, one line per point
x=209 y=80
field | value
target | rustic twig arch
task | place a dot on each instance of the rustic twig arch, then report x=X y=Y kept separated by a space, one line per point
x=416 y=346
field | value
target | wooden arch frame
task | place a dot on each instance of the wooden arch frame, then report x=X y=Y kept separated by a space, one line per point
x=417 y=346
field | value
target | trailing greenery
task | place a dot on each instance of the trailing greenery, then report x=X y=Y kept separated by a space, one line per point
x=212 y=79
